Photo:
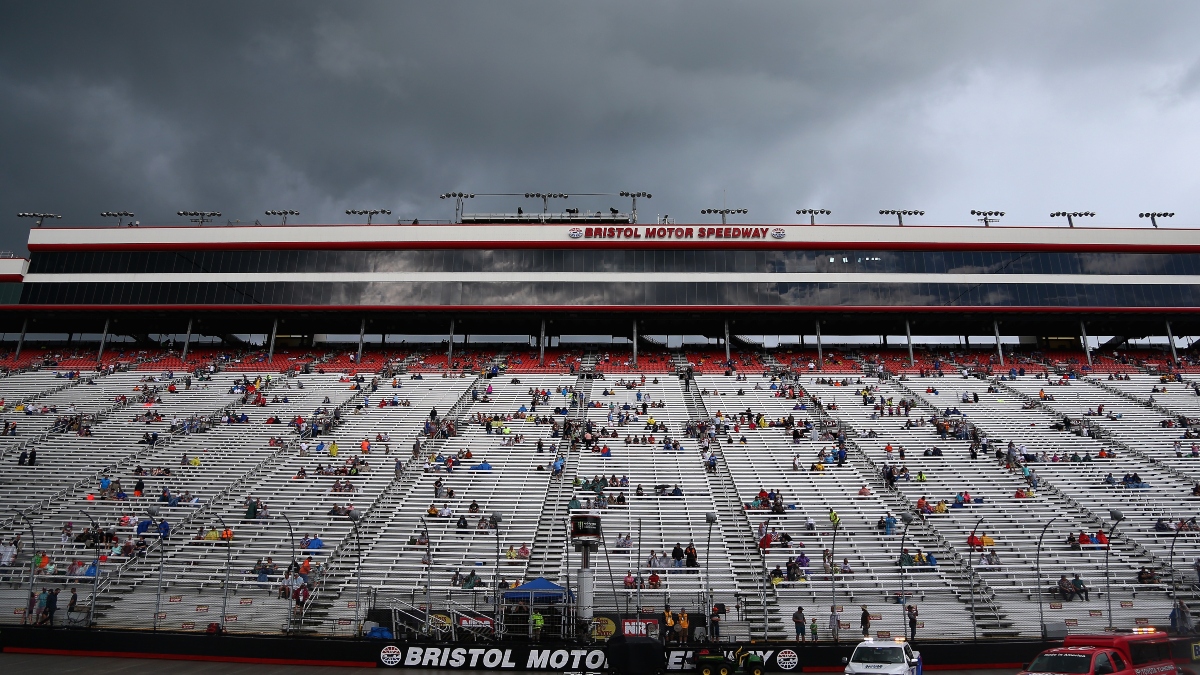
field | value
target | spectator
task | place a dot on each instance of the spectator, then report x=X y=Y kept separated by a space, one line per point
x=1081 y=589
x=1066 y=589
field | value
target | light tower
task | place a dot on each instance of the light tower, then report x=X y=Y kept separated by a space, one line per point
x=988 y=217
x=120 y=216
x=900 y=213
x=724 y=213
x=200 y=217
x=368 y=213
x=546 y=197
x=1155 y=216
x=40 y=216
x=458 y=198
x=282 y=212
x=634 y=196
x=1072 y=215
x=812 y=214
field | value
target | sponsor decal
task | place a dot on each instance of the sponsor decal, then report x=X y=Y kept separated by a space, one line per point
x=175 y=598
x=246 y=601
x=475 y=621
x=230 y=617
x=351 y=604
x=779 y=233
x=787 y=659
x=344 y=622
x=1095 y=612
x=684 y=659
x=643 y=628
x=1166 y=667
x=884 y=634
x=1126 y=604
x=1142 y=622
x=188 y=625
x=162 y=615
x=19 y=610
x=1056 y=605
x=201 y=608
x=603 y=628
x=876 y=617
x=1071 y=622
x=575 y=233
x=391 y=655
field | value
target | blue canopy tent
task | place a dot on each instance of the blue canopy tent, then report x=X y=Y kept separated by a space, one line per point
x=538 y=591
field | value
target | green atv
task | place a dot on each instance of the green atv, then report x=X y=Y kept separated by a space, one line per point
x=716 y=663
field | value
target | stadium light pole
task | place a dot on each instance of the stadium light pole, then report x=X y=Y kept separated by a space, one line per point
x=199 y=217
x=900 y=213
x=95 y=568
x=494 y=520
x=33 y=549
x=724 y=213
x=634 y=196
x=908 y=519
x=988 y=217
x=1174 y=579
x=282 y=212
x=812 y=214
x=354 y=517
x=228 y=562
x=458 y=198
x=711 y=519
x=546 y=197
x=120 y=216
x=152 y=511
x=1117 y=517
x=1155 y=216
x=1072 y=215
x=368 y=213
x=1038 y=563
x=40 y=216
x=428 y=572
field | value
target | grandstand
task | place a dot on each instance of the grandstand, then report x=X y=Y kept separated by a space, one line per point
x=414 y=465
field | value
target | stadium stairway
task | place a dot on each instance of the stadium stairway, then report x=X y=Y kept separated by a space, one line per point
x=760 y=602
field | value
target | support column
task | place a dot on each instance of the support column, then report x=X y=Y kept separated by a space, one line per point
x=21 y=340
x=999 y=349
x=362 y=333
x=542 y=345
x=727 y=356
x=271 y=348
x=1086 y=349
x=908 y=332
x=450 y=351
x=1171 y=341
x=820 y=354
x=187 y=342
x=103 y=339
x=635 y=343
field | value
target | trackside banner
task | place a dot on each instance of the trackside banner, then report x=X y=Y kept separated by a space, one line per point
x=517 y=657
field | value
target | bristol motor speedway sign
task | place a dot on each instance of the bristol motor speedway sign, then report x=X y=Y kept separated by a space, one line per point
x=528 y=657
x=671 y=232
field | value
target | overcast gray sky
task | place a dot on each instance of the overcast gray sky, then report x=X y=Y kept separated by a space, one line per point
x=1026 y=107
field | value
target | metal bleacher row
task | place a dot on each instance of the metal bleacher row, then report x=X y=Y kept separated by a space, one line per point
x=1053 y=408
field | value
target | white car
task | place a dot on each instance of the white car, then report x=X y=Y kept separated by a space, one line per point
x=891 y=657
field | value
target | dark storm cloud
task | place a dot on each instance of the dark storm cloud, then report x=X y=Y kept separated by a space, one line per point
x=241 y=107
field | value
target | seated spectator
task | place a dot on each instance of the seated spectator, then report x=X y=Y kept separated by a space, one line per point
x=1065 y=589
x=1146 y=576
x=1081 y=589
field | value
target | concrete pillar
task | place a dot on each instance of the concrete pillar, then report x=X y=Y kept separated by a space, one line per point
x=187 y=341
x=103 y=339
x=271 y=348
x=542 y=345
x=1084 y=336
x=362 y=333
x=908 y=332
x=635 y=343
x=1171 y=341
x=21 y=340
x=820 y=354
x=999 y=349
x=450 y=351
x=727 y=356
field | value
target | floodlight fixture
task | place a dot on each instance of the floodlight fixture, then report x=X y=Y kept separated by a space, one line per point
x=282 y=212
x=546 y=197
x=368 y=213
x=812 y=214
x=1072 y=215
x=40 y=216
x=119 y=215
x=1155 y=216
x=900 y=213
x=199 y=217
x=988 y=217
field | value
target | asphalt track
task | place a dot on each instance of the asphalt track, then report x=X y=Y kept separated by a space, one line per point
x=20 y=664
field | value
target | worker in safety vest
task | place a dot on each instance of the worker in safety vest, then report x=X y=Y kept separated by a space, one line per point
x=538 y=623
x=681 y=626
x=668 y=625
